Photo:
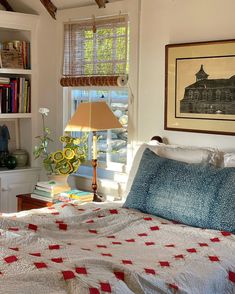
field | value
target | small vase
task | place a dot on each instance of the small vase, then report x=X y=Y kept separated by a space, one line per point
x=21 y=157
x=10 y=162
x=61 y=179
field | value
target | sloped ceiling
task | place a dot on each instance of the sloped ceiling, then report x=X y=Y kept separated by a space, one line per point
x=35 y=6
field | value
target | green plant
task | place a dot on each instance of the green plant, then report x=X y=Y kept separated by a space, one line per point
x=64 y=161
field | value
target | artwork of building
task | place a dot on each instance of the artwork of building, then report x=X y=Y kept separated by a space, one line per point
x=212 y=96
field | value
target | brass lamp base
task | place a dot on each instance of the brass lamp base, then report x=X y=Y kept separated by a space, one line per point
x=97 y=198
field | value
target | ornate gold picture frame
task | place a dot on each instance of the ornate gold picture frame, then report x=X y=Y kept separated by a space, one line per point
x=200 y=87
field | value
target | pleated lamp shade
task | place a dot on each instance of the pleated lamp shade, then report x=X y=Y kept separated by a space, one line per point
x=92 y=116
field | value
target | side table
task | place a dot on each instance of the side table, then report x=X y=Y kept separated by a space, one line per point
x=25 y=202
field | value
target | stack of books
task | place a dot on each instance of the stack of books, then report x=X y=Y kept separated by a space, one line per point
x=66 y=196
x=46 y=191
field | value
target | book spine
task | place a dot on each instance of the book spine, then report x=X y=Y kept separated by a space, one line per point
x=8 y=100
x=20 y=94
x=4 y=100
x=28 y=55
x=0 y=100
x=25 y=96
x=15 y=95
x=82 y=198
x=29 y=99
x=42 y=193
x=46 y=199
x=12 y=96
x=78 y=193
x=4 y=80
x=43 y=189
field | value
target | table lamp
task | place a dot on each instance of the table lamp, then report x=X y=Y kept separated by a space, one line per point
x=93 y=117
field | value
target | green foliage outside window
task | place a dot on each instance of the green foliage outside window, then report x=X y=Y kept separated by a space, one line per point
x=107 y=47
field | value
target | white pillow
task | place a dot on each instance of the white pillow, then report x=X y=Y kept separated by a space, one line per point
x=229 y=160
x=188 y=154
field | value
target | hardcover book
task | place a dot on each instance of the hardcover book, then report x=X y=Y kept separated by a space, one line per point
x=36 y=196
x=76 y=195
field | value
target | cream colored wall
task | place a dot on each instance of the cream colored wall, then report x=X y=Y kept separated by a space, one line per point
x=176 y=21
x=161 y=22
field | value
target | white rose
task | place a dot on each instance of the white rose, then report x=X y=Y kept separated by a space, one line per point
x=44 y=111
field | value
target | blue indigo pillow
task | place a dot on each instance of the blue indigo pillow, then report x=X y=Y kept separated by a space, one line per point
x=194 y=194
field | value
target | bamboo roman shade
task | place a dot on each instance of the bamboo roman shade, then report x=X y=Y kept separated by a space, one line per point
x=95 y=52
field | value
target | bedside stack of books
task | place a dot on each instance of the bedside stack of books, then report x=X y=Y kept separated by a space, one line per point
x=67 y=196
x=46 y=191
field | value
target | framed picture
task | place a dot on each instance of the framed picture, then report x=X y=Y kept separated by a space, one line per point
x=200 y=87
x=11 y=132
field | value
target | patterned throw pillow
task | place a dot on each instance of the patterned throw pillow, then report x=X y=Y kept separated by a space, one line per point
x=188 y=154
x=194 y=194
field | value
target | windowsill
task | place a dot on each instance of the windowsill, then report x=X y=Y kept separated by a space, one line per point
x=103 y=173
x=110 y=166
x=110 y=184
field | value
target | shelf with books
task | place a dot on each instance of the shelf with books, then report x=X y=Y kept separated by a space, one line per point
x=18 y=64
x=15 y=95
x=15 y=53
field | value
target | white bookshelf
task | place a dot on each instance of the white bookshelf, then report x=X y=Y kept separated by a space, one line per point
x=22 y=27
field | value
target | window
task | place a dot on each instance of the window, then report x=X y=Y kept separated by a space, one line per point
x=112 y=144
x=95 y=57
x=95 y=48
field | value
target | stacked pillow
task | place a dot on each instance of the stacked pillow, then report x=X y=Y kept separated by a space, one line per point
x=229 y=159
x=182 y=153
x=197 y=194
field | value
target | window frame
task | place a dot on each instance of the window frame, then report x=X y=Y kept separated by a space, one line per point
x=132 y=8
x=102 y=165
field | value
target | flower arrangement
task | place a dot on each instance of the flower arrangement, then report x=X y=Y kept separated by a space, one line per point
x=60 y=162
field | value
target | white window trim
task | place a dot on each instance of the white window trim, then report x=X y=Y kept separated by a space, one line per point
x=111 y=166
x=132 y=8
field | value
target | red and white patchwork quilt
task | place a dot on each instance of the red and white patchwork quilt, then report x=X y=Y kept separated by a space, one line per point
x=103 y=248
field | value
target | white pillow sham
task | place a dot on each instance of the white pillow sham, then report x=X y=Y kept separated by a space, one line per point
x=229 y=160
x=188 y=154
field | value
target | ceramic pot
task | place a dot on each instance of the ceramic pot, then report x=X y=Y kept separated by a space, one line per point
x=63 y=179
x=21 y=157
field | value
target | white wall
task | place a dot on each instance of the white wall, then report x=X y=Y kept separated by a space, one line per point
x=168 y=22
x=161 y=22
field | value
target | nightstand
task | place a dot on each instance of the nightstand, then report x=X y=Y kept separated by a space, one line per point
x=25 y=202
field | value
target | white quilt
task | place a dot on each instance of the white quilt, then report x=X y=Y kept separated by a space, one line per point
x=102 y=248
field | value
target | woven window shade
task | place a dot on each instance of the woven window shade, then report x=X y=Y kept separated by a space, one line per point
x=95 y=52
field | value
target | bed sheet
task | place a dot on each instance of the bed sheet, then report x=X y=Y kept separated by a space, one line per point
x=104 y=248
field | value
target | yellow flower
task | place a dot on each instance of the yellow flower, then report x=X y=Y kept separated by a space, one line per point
x=68 y=153
x=58 y=156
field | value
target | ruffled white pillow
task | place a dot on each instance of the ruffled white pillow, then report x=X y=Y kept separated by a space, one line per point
x=229 y=159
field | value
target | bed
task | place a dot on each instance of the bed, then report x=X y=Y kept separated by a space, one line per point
x=114 y=248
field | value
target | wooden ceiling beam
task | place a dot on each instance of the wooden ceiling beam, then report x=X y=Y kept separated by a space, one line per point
x=50 y=7
x=101 y=3
x=6 y=5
